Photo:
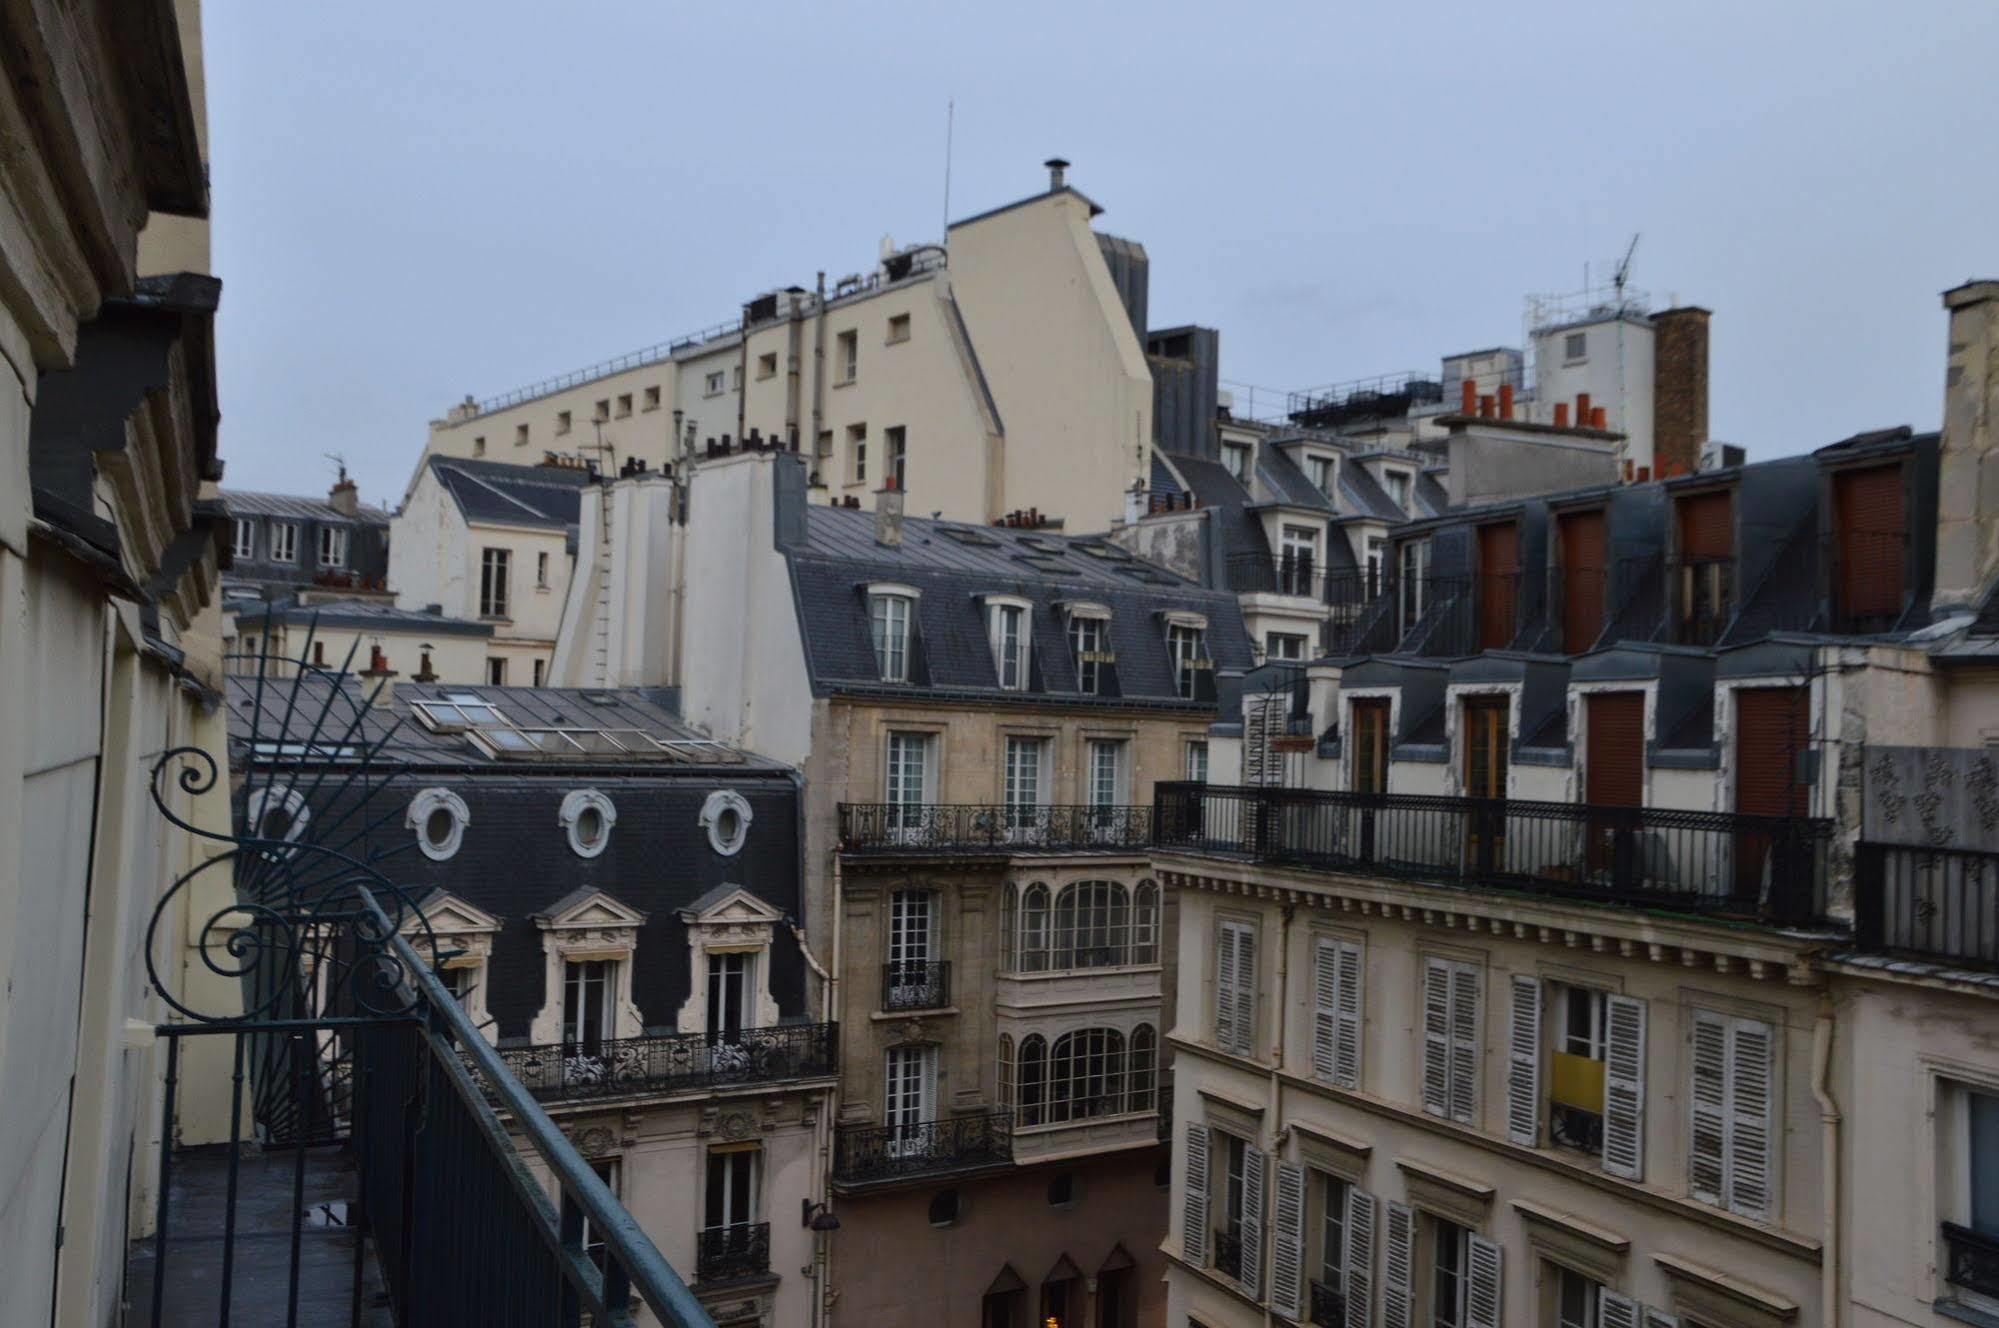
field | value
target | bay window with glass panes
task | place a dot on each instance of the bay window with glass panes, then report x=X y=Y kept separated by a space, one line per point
x=1083 y=925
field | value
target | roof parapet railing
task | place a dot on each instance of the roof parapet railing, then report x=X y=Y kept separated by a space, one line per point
x=657 y=353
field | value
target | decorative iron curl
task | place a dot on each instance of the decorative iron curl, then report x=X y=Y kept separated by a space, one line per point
x=197 y=774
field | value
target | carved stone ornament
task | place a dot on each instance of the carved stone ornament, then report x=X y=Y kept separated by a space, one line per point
x=596 y=1141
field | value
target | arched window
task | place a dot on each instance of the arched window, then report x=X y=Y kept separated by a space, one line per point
x=1010 y=929
x=1006 y=1072
x=1145 y=923
x=1086 y=1075
x=1141 y=1070
x=1033 y=949
x=1031 y=1080
x=1092 y=925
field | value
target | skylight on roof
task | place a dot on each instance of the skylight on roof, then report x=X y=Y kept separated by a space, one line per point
x=459 y=712
x=969 y=535
x=1112 y=553
x=590 y=744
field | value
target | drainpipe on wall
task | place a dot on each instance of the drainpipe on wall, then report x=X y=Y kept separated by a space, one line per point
x=1829 y=1115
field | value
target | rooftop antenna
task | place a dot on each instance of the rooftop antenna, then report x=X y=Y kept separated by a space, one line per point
x=340 y=463
x=1623 y=272
x=950 y=123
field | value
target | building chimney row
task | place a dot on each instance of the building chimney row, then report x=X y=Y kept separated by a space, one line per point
x=1506 y=401
x=1561 y=414
x=1470 y=405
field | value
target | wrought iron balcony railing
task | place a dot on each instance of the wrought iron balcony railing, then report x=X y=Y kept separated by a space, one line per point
x=1328 y=1308
x=725 y=1253
x=1971 y=1260
x=1937 y=902
x=932 y=827
x=878 y=1153
x=916 y=984
x=1228 y=1255
x=675 y=1062
x=1767 y=867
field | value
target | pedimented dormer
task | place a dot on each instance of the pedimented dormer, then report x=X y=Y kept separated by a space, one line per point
x=588 y=927
x=729 y=934
x=463 y=933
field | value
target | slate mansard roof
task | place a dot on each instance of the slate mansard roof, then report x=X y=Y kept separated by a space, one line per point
x=953 y=566
x=496 y=493
x=292 y=507
x=366 y=614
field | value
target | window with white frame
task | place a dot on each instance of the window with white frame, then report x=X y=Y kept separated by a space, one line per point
x=284 y=541
x=1007 y=626
x=1397 y=484
x=1196 y=765
x=733 y=1206
x=1079 y=1075
x=246 y=537
x=848 y=356
x=493 y=568
x=1089 y=641
x=895 y=456
x=612 y=1172
x=857 y=454
x=541 y=571
x=912 y=942
x=715 y=384
x=1967 y=1191
x=1297 y=560
x=1023 y=784
x=1235 y=986
x=732 y=991
x=910 y=766
x=1575 y=347
x=1284 y=646
x=1085 y=924
x=1236 y=457
x=1594 y=1054
x=1412 y=572
x=1578 y=1299
x=1451 y=1001
x=1323 y=472
x=1732 y=1110
x=889 y=616
x=589 y=986
x=1107 y=762
x=909 y=1099
x=1450 y=1274
x=1092 y=925
x=1187 y=644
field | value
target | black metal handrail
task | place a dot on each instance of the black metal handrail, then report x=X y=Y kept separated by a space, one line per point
x=863 y=1154
x=916 y=984
x=1938 y=902
x=724 y=1253
x=1769 y=867
x=933 y=827
x=1228 y=1254
x=1327 y=1308
x=676 y=1061
x=1971 y=1259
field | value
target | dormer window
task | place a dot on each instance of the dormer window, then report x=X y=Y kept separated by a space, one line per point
x=1187 y=644
x=1704 y=580
x=332 y=546
x=1008 y=626
x=1236 y=456
x=246 y=537
x=890 y=610
x=1323 y=472
x=1089 y=640
x=1868 y=580
x=1397 y=484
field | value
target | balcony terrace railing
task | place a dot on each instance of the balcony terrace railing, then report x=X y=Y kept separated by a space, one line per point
x=675 y=1062
x=726 y=1253
x=916 y=984
x=880 y=1153
x=1228 y=1255
x=1767 y=867
x=930 y=827
x=1971 y=1260
x=1327 y=1308
x=1938 y=903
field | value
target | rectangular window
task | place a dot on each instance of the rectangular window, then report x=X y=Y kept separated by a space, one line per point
x=1370 y=745
x=651 y=398
x=1087 y=641
x=541 y=571
x=1485 y=723
x=479 y=446
x=1235 y=987
x=1106 y=772
x=1397 y=484
x=536 y=669
x=1575 y=1068
x=1967 y=1172
x=284 y=542
x=898 y=328
x=1298 y=560
x=736 y=375
x=611 y=1172
x=732 y=1199
x=493 y=564
x=246 y=538
x=520 y=435
x=909 y=765
x=561 y=423
x=715 y=384
x=624 y=404
x=1009 y=628
x=857 y=454
x=1322 y=471
x=1731 y=1105
x=1450 y=1283
x=1197 y=761
x=730 y=988
x=1022 y=793
x=1575 y=349
x=1284 y=646
x=1412 y=580
x=1377 y=561
x=457 y=980
x=849 y=356
x=496 y=672
x=1576 y=1299
x=588 y=988
x=602 y=411
x=1236 y=457
x=767 y=365
x=910 y=1100
x=1188 y=646
x=895 y=455
x=1331 y=1265
x=888 y=620
x=333 y=546
x=1450 y=1040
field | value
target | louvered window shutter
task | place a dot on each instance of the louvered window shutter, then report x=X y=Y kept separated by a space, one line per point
x=1660 y=1319
x=1358 y=1257
x=1252 y=1221
x=1751 y=1091
x=1245 y=990
x=1707 y=1108
x=1436 y=1037
x=1523 y=1071
x=1326 y=1010
x=1346 y=1045
x=1287 y=1258
x=1194 y=1209
x=1624 y=1088
x=1464 y=1044
x=1484 y=1291
x=1615 y=1311
x=1225 y=961
x=1397 y=1263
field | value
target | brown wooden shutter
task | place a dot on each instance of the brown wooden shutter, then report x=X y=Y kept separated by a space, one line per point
x=1370 y=750
x=1772 y=726
x=1485 y=746
x=1616 y=749
x=1499 y=575
x=1583 y=572
x=1706 y=527
x=1868 y=506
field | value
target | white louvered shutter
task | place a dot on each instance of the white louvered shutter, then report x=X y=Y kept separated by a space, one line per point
x=1346 y=1044
x=1225 y=961
x=1245 y=990
x=1252 y=1222
x=1358 y=1275
x=1523 y=1069
x=1624 y=1088
x=1484 y=1290
x=1655 y=1318
x=1194 y=1203
x=1436 y=1093
x=1397 y=1266
x=1615 y=1311
x=1326 y=1010
x=1707 y=1107
x=1287 y=1255
x=1464 y=1044
x=1751 y=1118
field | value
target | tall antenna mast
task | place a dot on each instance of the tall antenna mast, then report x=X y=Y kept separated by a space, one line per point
x=950 y=123
x=1623 y=272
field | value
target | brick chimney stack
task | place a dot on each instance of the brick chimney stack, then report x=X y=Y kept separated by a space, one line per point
x=1679 y=390
x=1968 y=455
x=344 y=497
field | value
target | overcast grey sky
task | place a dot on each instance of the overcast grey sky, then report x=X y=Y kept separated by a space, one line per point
x=414 y=201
